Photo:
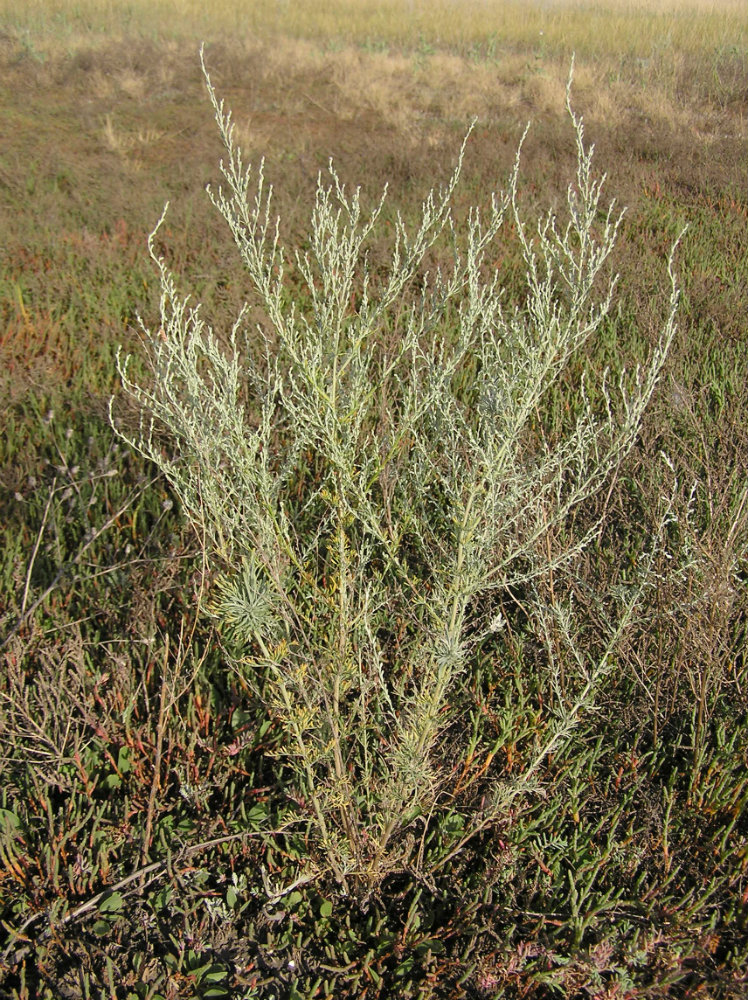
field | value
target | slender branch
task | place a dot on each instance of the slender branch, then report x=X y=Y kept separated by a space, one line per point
x=39 y=536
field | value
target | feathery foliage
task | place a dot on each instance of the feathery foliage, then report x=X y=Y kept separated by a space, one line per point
x=377 y=503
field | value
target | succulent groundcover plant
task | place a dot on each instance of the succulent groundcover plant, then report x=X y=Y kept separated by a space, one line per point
x=366 y=468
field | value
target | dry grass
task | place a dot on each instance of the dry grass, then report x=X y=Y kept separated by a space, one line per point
x=609 y=27
x=680 y=62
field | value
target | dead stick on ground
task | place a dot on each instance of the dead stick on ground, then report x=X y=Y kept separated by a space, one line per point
x=141 y=875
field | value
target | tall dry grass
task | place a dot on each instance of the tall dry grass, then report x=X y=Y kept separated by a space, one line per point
x=680 y=61
x=612 y=28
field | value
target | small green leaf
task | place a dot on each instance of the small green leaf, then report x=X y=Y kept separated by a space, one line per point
x=257 y=815
x=194 y=961
x=163 y=898
x=10 y=823
x=101 y=928
x=124 y=764
x=405 y=967
x=216 y=973
x=434 y=946
x=325 y=909
x=112 y=903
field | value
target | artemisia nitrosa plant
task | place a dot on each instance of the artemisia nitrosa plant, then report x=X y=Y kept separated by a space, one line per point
x=366 y=470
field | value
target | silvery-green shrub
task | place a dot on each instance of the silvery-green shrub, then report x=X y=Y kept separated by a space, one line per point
x=364 y=468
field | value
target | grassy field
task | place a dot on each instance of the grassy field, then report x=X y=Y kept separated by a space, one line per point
x=153 y=841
